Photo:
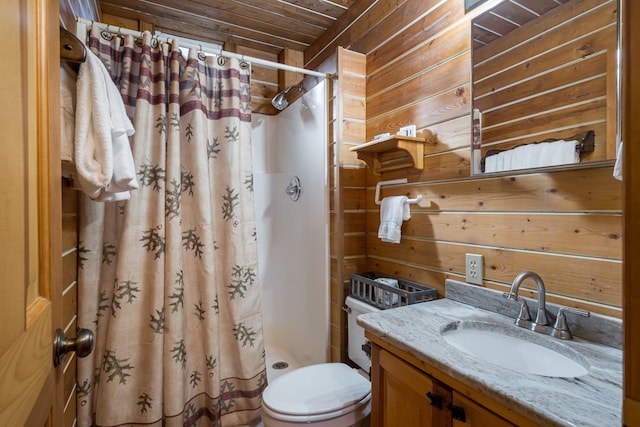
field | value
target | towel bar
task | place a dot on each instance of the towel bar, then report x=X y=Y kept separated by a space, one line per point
x=585 y=143
x=415 y=201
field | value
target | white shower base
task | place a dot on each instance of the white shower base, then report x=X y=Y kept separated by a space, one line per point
x=276 y=356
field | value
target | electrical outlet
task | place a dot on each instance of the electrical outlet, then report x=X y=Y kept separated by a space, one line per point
x=474 y=268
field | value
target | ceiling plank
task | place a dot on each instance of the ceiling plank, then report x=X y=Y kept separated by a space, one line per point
x=155 y=12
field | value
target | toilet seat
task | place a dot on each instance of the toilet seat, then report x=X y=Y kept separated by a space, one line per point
x=353 y=413
x=317 y=392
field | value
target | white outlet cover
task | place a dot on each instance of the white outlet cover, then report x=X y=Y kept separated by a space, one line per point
x=474 y=268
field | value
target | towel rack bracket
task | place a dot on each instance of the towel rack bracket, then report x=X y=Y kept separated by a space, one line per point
x=380 y=184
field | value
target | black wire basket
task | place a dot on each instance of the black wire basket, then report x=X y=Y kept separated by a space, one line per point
x=380 y=290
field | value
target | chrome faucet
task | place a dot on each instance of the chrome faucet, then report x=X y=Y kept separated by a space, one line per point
x=559 y=329
x=541 y=323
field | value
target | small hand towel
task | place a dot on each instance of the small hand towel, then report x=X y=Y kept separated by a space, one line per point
x=384 y=296
x=393 y=210
x=617 y=167
x=102 y=152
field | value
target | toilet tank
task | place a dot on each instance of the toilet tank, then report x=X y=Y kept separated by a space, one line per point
x=356 y=333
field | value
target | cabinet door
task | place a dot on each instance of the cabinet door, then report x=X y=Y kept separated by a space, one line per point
x=401 y=394
x=476 y=415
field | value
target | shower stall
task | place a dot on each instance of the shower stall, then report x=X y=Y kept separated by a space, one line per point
x=292 y=225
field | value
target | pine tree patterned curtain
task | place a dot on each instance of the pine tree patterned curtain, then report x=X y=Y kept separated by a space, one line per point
x=168 y=279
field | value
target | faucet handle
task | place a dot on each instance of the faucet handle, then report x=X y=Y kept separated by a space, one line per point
x=524 y=317
x=524 y=310
x=560 y=328
x=583 y=313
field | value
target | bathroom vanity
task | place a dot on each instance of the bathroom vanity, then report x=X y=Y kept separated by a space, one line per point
x=409 y=392
x=420 y=379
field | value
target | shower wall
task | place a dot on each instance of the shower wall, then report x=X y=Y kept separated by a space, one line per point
x=293 y=236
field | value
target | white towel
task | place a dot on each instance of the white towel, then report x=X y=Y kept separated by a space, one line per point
x=393 y=210
x=106 y=171
x=559 y=153
x=383 y=296
x=617 y=168
x=67 y=112
x=534 y=156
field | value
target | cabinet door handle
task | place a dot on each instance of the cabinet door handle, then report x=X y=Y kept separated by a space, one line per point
x=436 y=401
x=457 y=413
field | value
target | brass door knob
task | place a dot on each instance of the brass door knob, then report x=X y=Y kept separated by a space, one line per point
x=82 y=345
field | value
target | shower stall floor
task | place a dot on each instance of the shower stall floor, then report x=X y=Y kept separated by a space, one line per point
x=278 y=363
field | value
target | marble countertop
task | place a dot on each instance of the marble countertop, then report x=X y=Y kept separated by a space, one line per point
x=594 y=399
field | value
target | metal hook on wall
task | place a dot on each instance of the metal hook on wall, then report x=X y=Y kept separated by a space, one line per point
x=294 y=189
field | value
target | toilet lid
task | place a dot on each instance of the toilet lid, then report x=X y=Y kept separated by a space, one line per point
x=316 y=389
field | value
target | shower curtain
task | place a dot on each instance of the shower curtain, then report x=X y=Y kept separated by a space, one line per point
x=168 y=280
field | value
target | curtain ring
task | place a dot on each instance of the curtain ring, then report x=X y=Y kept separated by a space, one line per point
x=221 y=60
x=244 y=64
x=106 y=34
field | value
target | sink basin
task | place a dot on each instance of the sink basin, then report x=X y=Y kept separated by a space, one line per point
x=514 y=349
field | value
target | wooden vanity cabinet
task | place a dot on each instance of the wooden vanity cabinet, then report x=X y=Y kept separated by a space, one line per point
x=405 y=396
x=476 y=415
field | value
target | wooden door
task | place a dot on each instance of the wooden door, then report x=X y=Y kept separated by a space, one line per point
x=403 y=396
x=631 y=138
x=29 y=212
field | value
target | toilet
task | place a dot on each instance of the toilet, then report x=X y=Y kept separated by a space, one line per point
x=326 y=394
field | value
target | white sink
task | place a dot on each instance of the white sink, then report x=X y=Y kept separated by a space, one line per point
x=512 y=348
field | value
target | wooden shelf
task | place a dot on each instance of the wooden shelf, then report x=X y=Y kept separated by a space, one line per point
x=396 y=152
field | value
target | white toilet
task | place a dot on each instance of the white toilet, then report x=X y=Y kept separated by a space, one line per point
x=326 y=394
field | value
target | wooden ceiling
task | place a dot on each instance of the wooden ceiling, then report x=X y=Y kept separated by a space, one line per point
x=508 y=16
x=266 y=25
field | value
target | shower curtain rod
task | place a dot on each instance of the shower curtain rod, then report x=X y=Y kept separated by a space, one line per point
x=204 y=48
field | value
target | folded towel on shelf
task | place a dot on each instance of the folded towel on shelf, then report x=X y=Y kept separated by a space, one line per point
x=104 y=162
x=393 y=210
x=537 y=155
x=559 y=153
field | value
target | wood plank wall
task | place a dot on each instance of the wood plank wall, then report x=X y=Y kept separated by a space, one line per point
x=348 y=190
x=566 y=225
x=69 y=294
